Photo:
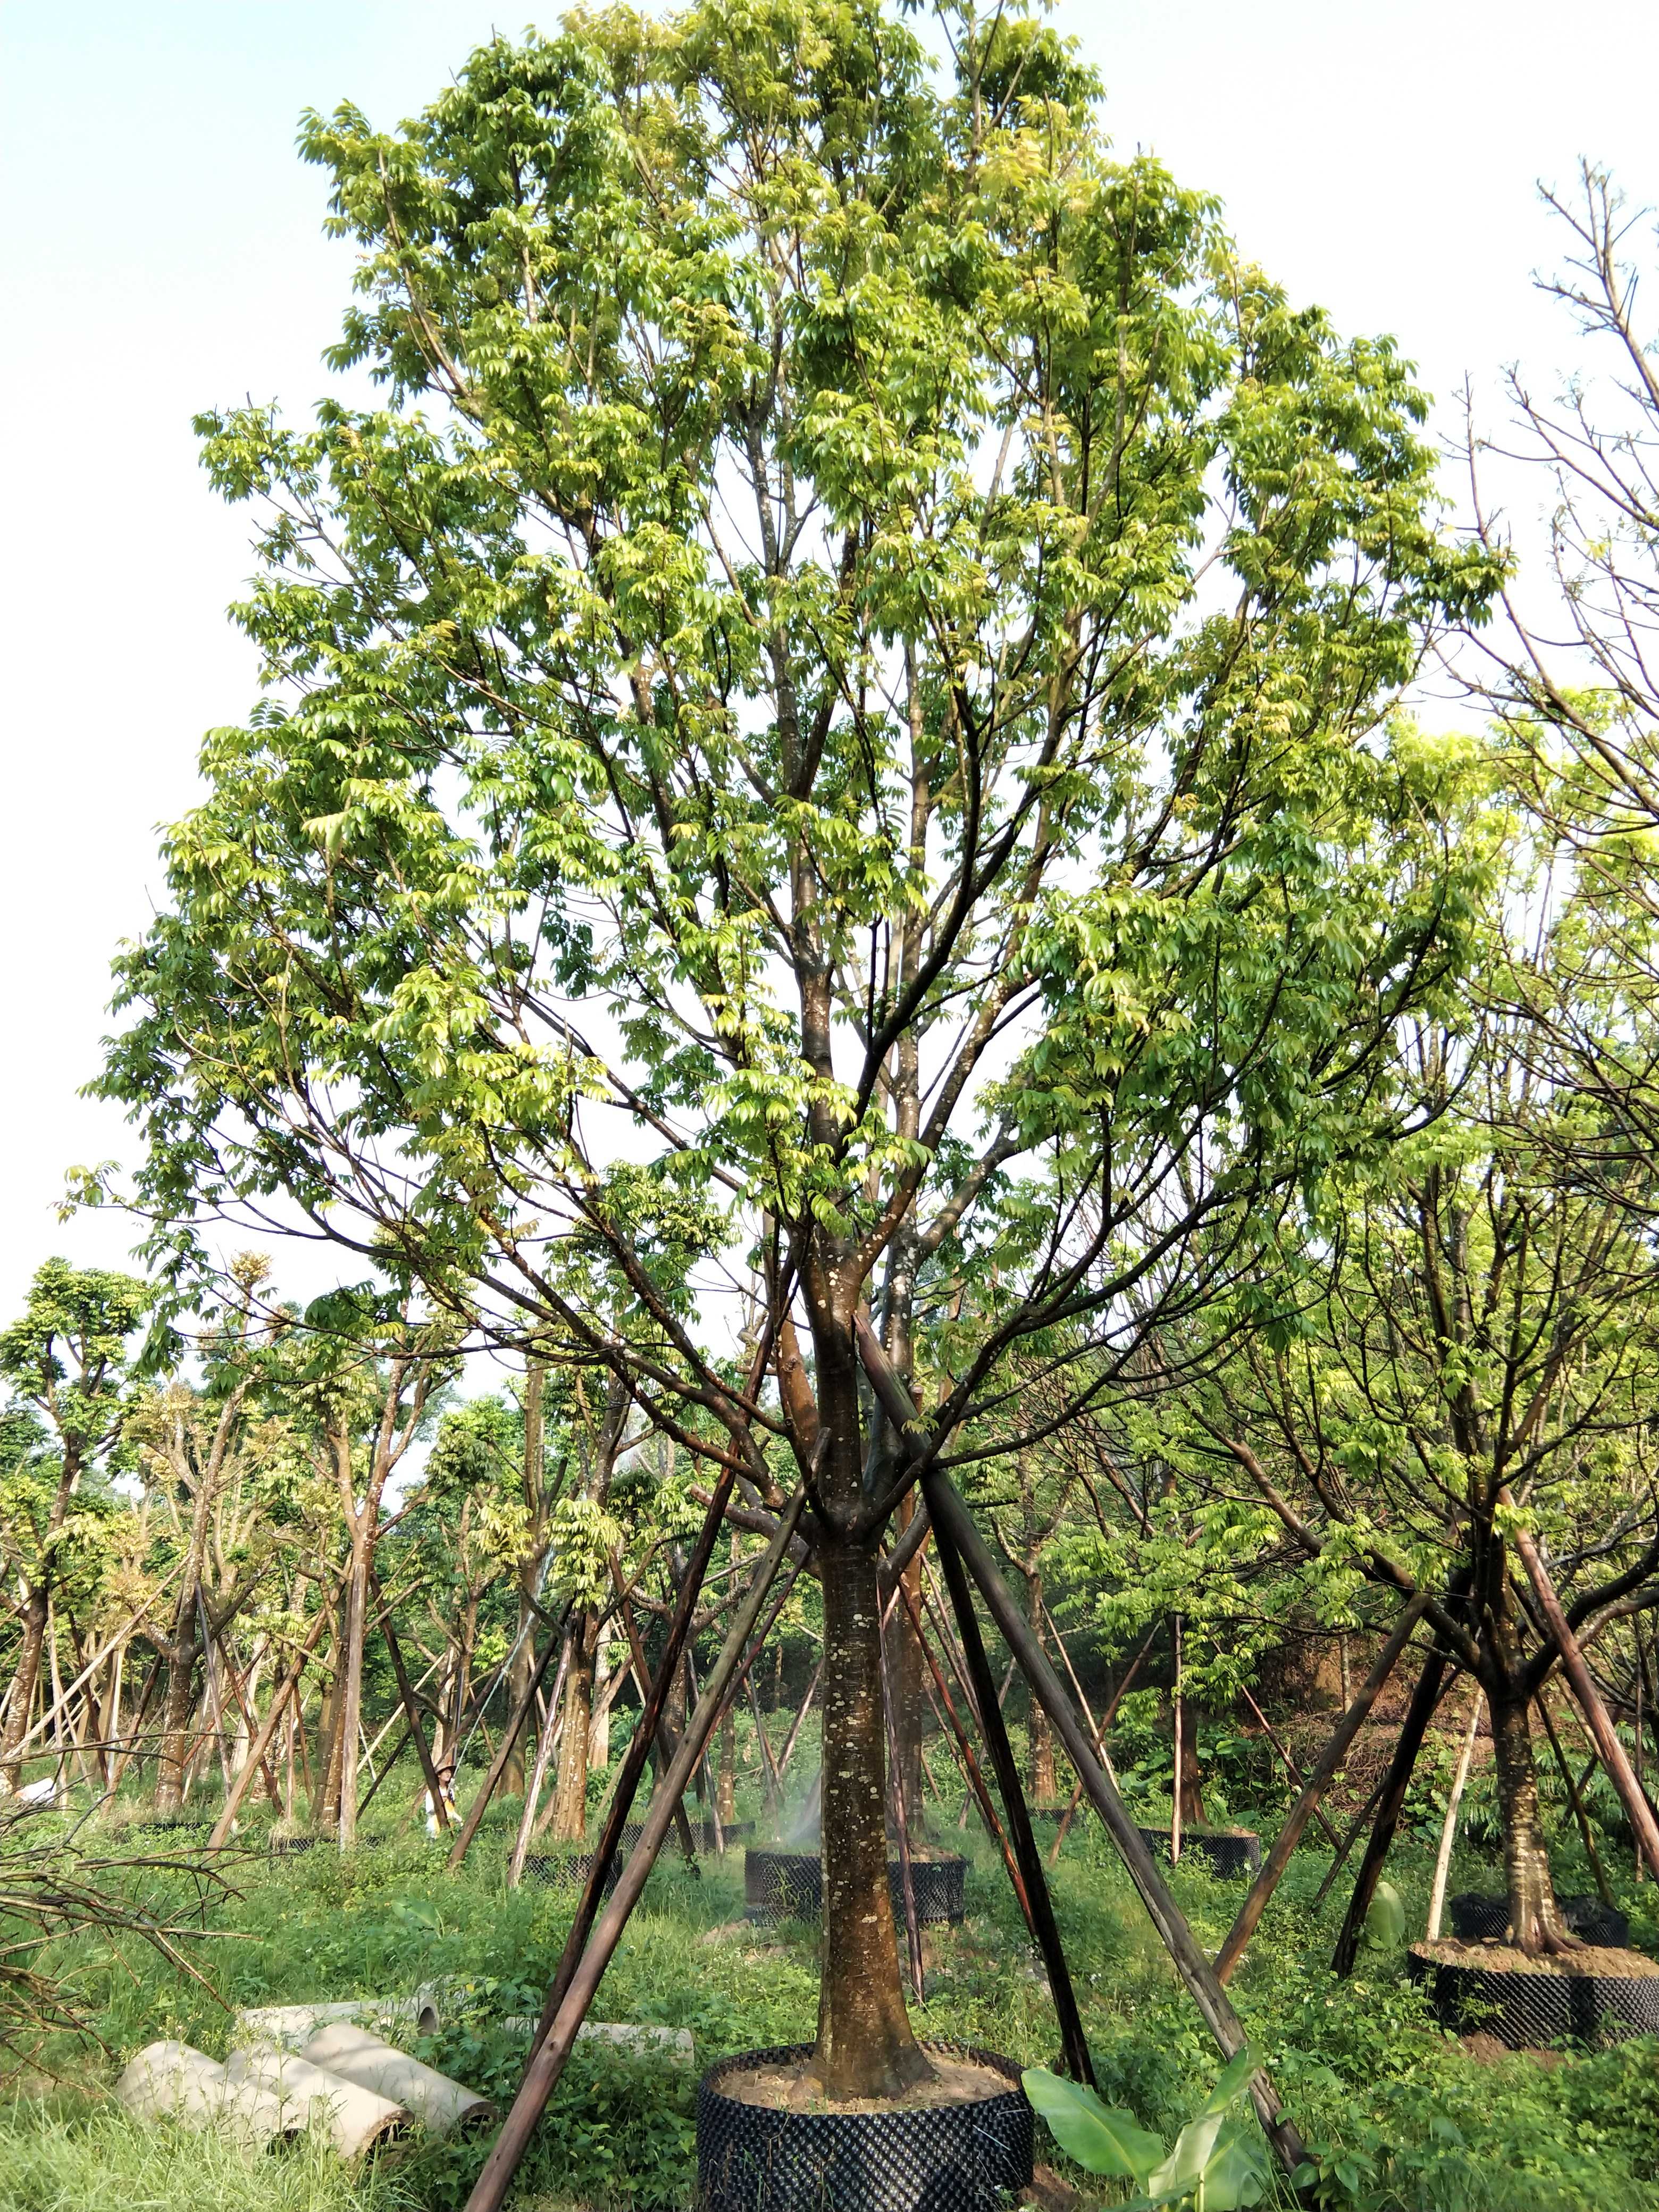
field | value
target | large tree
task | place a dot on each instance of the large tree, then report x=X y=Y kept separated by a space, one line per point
x=830 y=738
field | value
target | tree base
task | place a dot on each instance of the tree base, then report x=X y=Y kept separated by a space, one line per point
x=766 y=2143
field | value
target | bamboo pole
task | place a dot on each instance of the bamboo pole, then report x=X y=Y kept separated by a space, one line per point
x=1448 y=1825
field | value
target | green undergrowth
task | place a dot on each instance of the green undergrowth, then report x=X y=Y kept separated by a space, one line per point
x=1400 y=2118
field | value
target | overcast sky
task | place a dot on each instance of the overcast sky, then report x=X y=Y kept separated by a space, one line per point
x=163 y=253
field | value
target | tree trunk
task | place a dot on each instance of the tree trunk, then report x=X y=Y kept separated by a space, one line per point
x=865 y=2046
x=570 y=1816
x=725 y=1793
x=599 y=1734
x=33 y=1643
x=179 y=1658
x=351 y=1692
x=1536 y=1923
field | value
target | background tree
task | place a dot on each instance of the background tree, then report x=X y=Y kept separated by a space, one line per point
x=67 y=1363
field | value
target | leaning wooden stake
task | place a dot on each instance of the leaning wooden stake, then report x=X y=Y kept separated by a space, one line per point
x=1189 y=1959
x=511 y=1736
x=1637 y=1810
x=554 y=2038
x=279 y=1707
x=968 y=1763
x=1419 y=1713
x=946 y=1509
x=405 y=1692
x=1574 y=1798
x=1003 y=1765
x=1314 y=1788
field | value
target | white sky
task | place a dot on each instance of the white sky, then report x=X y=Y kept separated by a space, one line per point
x=162 y=252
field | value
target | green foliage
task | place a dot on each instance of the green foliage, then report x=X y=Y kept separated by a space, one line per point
x=1215 y=2169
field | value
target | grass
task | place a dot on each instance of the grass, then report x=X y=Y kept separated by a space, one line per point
x=1404 y=2119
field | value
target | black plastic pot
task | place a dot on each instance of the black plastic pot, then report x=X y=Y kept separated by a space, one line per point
x=1531 y=2011
x=789 y=1885
x=567 y=1869
x=1232 y=1854
x=943 y=2158
x=1480 y=1918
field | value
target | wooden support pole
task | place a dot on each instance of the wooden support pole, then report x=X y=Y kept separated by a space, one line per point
x=278 y=1706
x=1576 y=1800
x=1448 y=1825
x=1637 y=1810
x=1425 y=1698
x=969 y=1764
x=411 y=1711
x=1335 y=1751
x=1287 y=1761
x=1073 y=2043
x=510 y=1737
x=946 y=1507
x=555 y=2036
x=805 y=1707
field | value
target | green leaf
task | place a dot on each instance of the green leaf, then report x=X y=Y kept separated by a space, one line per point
x=1234 y=2076
x=1184 y=2170
x=1101 y=2139
x=1385 y=1923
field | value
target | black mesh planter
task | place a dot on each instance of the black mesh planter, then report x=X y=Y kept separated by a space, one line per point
x=1232 y=1854
x=567 y=1870
x=789 y=1885
x=940 y=2158
x=1534 y=2010
x=1480 y=1918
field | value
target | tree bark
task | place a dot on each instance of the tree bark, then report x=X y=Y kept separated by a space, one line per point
x=1535 y=1923
x=865 y=2046
x=178 y=1659
x=30 y=1644
x=570 y=1817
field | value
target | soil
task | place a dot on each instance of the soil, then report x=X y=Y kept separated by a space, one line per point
x=795 y=2089
x=1505 y=1958
x=1487 y=2050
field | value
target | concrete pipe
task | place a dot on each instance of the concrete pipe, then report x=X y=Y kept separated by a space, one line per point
x=358 y=2055
x=356 y=2119
x=171 y=2081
